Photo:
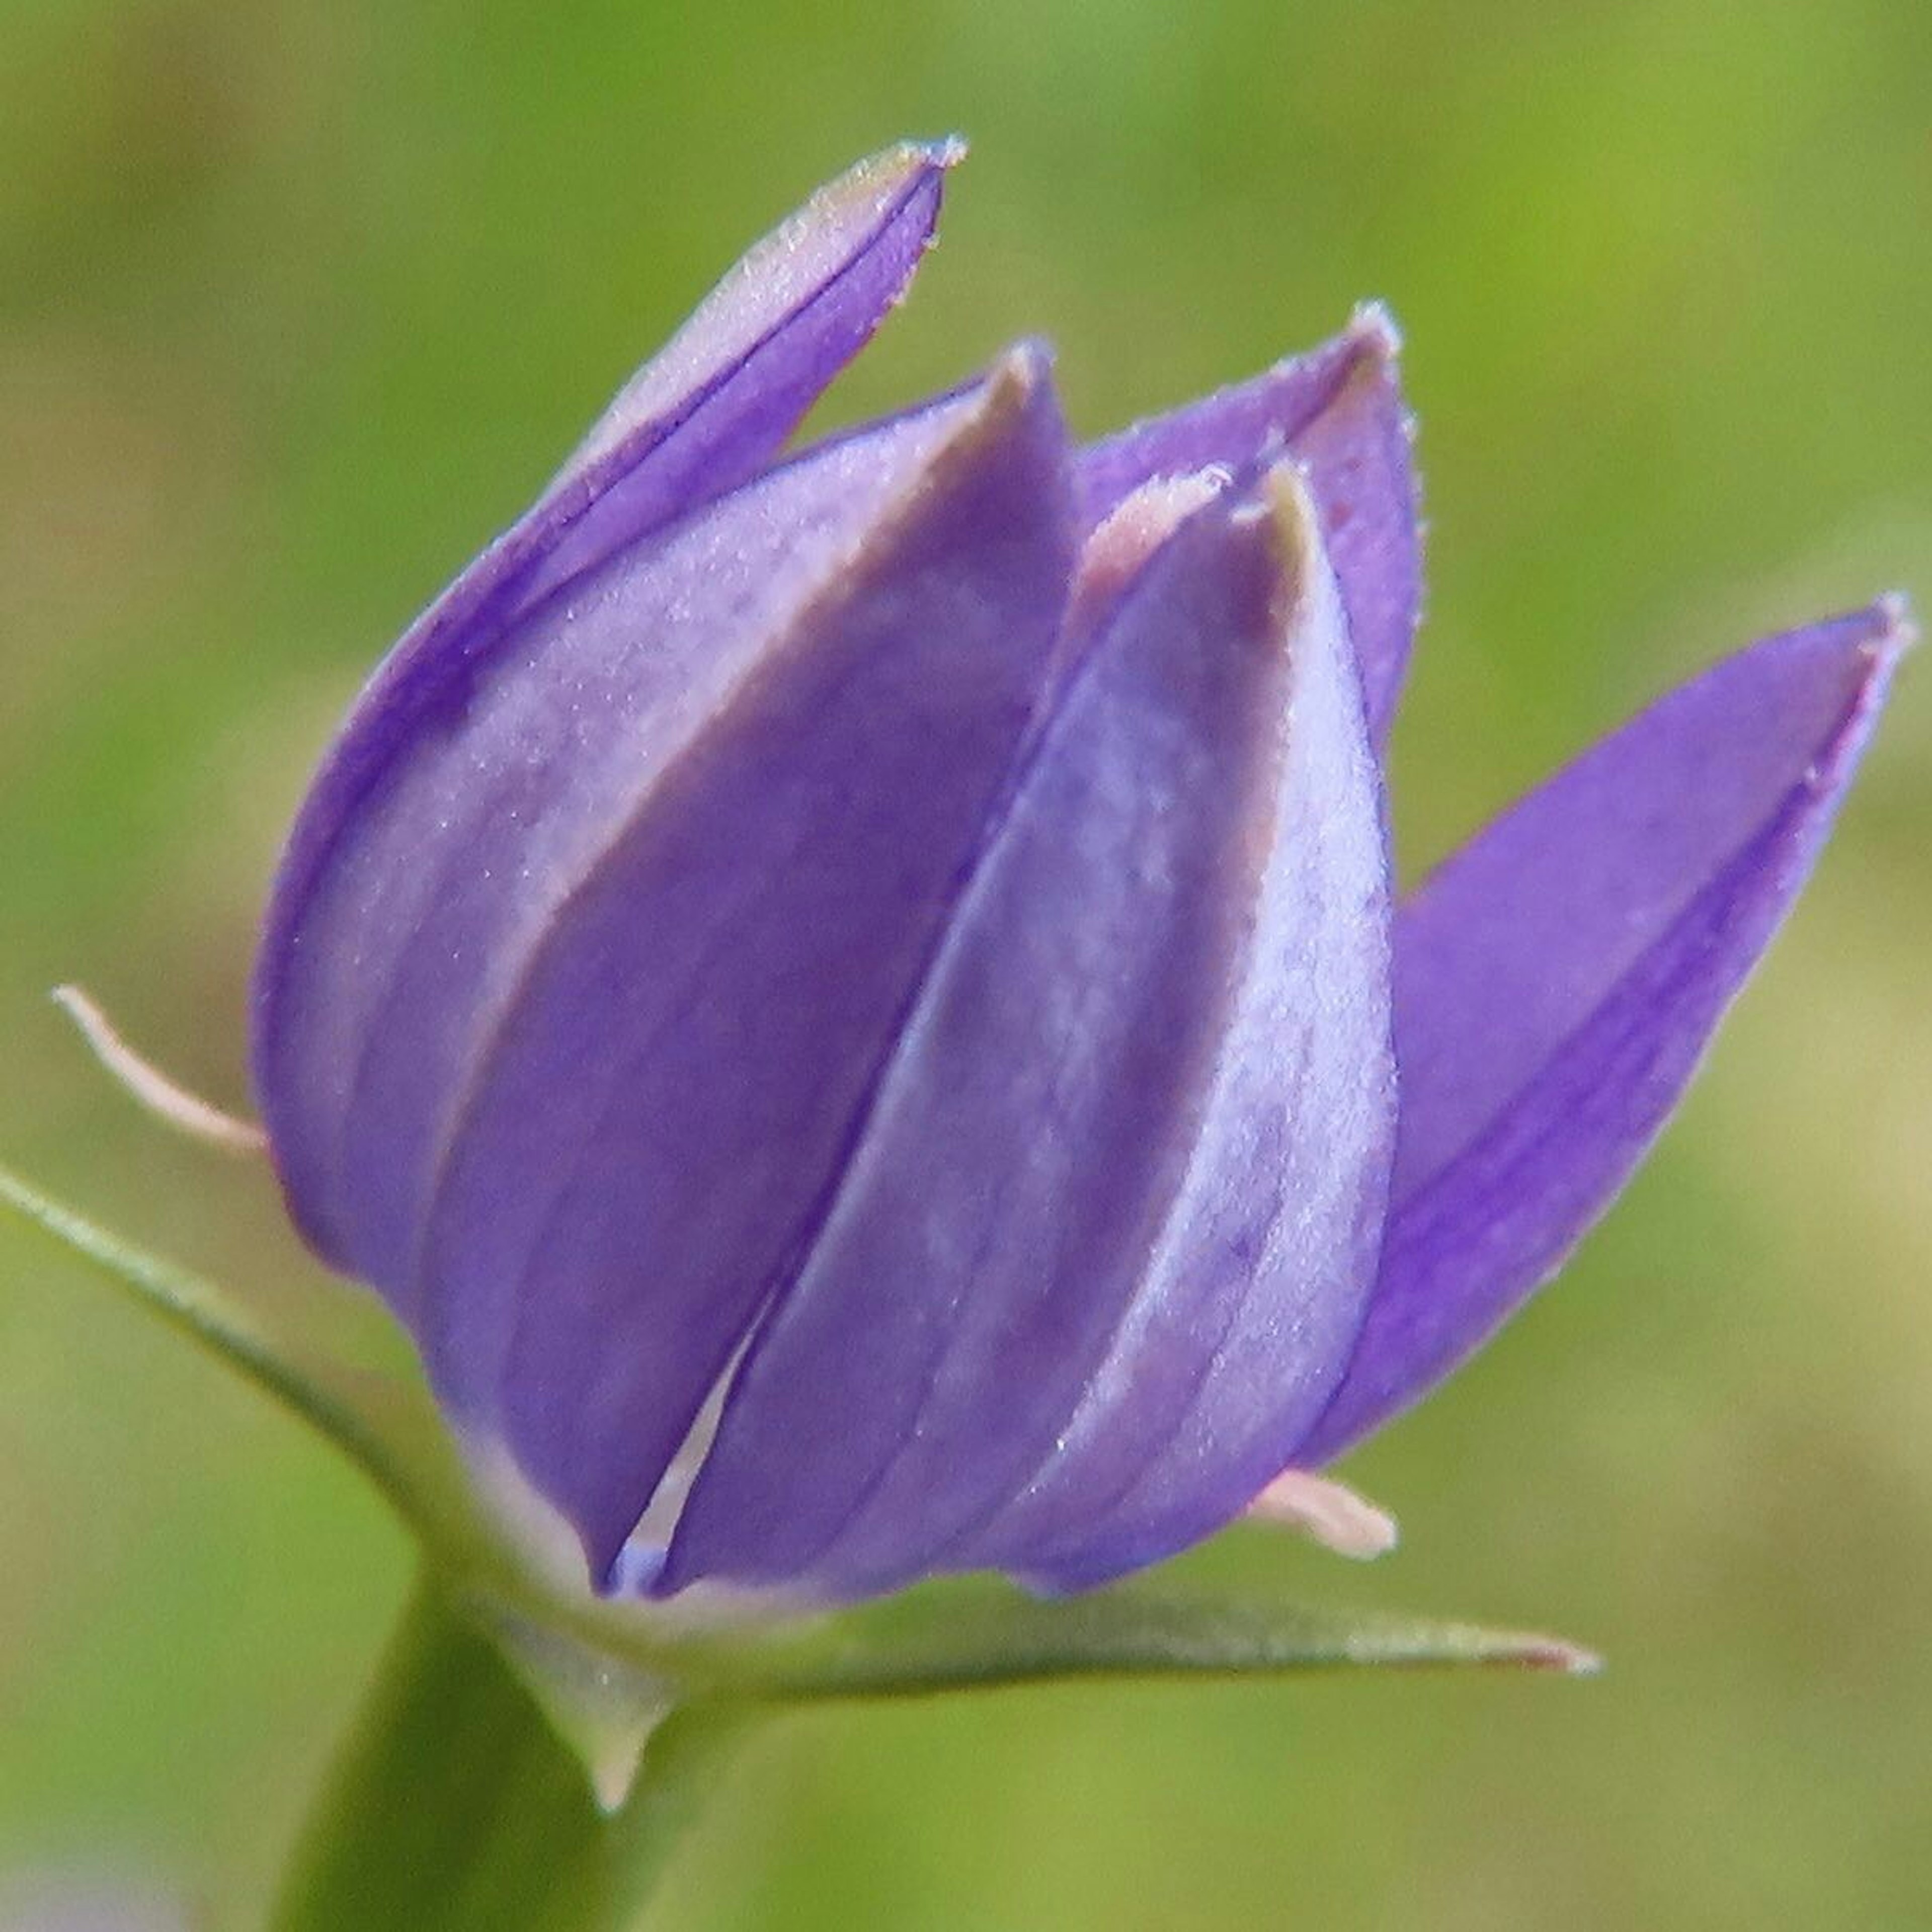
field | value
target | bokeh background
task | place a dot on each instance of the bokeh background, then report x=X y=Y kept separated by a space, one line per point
x=298 y=302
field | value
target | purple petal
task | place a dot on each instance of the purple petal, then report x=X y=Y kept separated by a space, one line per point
x=655 y=913
x=1088 y=1249
x=665 y=1104
x=700 y=418
x=708 y=411
x=412 y=937
x=1339 y=412
x=1557 y=980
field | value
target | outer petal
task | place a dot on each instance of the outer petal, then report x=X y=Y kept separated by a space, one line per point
x=1106 y=1235
x=1339 y=412
x=1557 y=980
x=416 y=934
x=655 y=913
x=702 y=417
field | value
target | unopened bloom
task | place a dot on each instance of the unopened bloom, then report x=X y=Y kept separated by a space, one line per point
x=852 y=1003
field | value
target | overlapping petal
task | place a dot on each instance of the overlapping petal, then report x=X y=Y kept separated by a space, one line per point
x=699 y=419
x=670 y=889
x=1270 y=1252
x=1557 y=980
x=1338 y=411
x=851 y=1003
x=1087 y=1272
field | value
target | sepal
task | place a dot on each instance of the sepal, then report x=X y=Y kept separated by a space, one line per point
x=607 y=1674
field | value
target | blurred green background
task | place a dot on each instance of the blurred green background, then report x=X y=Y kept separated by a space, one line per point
x=298 y=302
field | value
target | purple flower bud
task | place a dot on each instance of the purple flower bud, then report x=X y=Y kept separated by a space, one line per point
x=851 y=1002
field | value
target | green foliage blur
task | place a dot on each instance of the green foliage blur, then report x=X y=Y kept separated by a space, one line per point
x=298 y=302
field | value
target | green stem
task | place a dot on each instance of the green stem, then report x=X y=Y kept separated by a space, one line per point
x=454 y=1807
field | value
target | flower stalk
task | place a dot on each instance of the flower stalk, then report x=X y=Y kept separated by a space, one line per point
x=454 y=1803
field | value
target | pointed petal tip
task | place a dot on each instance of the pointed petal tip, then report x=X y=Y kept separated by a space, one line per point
x=1897 y=626
x=908 y=159
x=1375 y=331
x=1376 y=339
x=894 y=178
x=1372 y=336
x=947 y=151
x=1021 y=379
x=906 y=168
x=1287 y=502
x=1024 y=367
x=1873 y=641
